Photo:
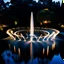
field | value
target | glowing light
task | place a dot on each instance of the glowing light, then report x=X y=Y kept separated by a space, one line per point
x=62 y=26
x=50 y=36
x=63 y=1
x=31 y=35
x=63 y=59
x=46 y=9
x=5 y=1
x=1 y=29
x=36 y=0
x=19 y=36
x=31 y=27
x=53 y=34
x=15 y=23
x=10 y=33
x=53 y=46
x=43 y=51
x=45 y=22
x=2 y=25
x=47 y=50
x=40 y=23
x=19 y=51
x=46 y=36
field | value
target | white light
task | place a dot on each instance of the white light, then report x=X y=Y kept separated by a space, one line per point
x=31 y=27
x=5 y=1
x=63 y=59
x=10 y=4
x=36 y=0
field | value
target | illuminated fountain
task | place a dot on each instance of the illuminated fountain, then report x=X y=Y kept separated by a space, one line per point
x=31 y=35
x=45 y=35
x=49 y=34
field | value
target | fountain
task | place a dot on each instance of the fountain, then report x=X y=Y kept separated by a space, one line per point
x=31 y=35
x=42 y=35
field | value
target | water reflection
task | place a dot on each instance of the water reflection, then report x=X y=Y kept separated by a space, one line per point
x=56 y=60
x=11 y=54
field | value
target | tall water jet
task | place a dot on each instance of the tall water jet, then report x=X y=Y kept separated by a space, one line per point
x=31 y=27
x=31 y=35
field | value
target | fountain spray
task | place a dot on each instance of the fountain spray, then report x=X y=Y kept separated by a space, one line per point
x=31 y=35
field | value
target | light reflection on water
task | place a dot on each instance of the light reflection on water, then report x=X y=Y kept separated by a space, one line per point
x=54 y=56
x=57 y=60
x=9 y=58
x=55 y=53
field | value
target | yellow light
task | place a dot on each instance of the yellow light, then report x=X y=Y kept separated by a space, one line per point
x=1 y=29
x=53 y=46
x=62 y=26
x=4 y=25
x=15 y=22
x=19 y=51
x=46 y=9
x=43 y=51
x=45 y=22
x=40 y=23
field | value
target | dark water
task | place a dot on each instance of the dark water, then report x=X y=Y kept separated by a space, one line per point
x=8 y=56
